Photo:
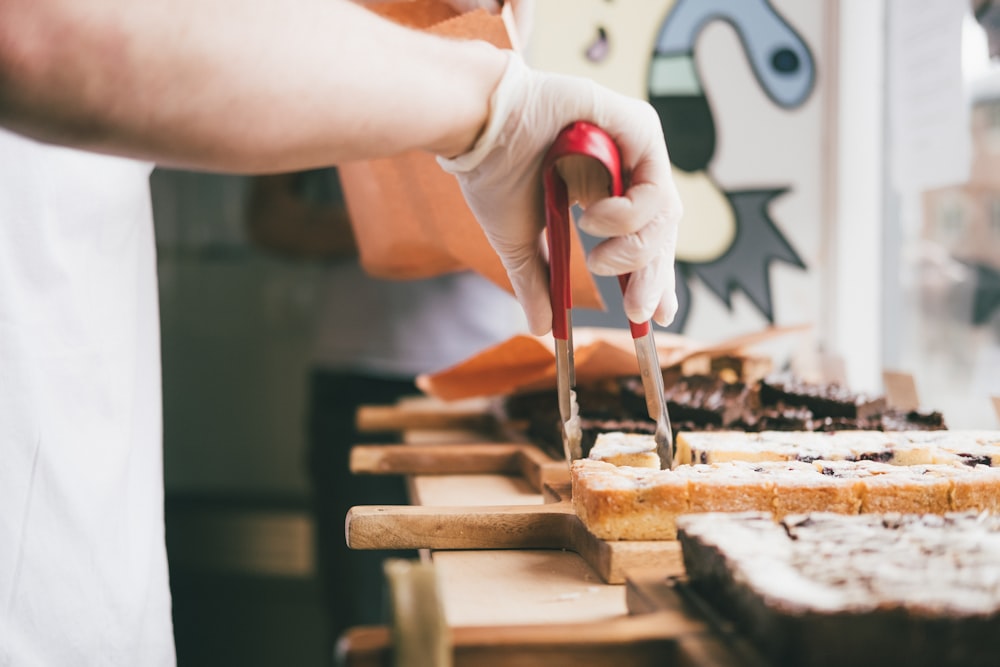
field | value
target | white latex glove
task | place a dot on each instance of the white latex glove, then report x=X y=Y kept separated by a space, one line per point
x=501 y=180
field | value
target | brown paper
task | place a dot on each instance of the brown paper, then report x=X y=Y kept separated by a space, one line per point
x=409 y=216
x=527 y=363
x=900 y=390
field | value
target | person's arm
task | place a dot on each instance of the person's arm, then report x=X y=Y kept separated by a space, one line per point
x=268 y=86
x=281 y=220
x=238 y=85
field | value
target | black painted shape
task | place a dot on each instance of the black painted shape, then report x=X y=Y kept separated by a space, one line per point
x=689 y=129
x=746 y=265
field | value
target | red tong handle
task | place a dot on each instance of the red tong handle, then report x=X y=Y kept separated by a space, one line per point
x=584 y=139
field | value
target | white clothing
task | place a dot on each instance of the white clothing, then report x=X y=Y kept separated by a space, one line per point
x=399 y=329
x=83 y=570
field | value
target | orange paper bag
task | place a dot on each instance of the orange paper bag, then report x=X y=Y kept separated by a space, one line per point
x=527 y=363
x=409 y=217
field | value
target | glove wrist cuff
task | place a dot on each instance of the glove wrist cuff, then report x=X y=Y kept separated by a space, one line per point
x=501 y=103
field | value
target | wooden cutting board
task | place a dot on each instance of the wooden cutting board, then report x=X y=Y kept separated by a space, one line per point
x=664 y=628
x=426 y=413
x=552 y=525
x=636 y=642
x=466 y=458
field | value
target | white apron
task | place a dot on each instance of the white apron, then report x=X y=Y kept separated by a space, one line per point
x=83 y=572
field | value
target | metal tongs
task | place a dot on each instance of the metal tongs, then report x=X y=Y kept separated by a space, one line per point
x=587 y=140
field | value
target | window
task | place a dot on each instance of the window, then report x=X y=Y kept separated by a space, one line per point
x=941 y=296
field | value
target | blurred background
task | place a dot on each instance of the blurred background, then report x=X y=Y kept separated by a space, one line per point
x=840 y=166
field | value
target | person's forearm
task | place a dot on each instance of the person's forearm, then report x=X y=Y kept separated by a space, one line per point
x=237 y=85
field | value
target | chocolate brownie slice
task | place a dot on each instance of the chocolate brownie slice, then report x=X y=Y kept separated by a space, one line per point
x=824 y=400
x=829 y=589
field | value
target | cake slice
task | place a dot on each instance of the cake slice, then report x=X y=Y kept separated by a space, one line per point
x=907 y=450
x=969 y=448
x=628 y=503
x=720 y=446
x=972 y=488
x=907 y=489
x=802 y=487
x=699 y=399
x=830 y=446
x=910 y=420
x=824 y=400
x=828 y=589
x=625 y=503
x=626 y=449
x=733 y=486
x=897 y=448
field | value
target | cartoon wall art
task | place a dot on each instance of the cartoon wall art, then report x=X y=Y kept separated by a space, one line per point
x=736 y=84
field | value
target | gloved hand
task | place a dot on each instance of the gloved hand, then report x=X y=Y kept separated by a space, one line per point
x=501 y=180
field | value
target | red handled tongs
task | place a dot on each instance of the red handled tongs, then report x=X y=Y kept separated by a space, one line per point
x=584 y=139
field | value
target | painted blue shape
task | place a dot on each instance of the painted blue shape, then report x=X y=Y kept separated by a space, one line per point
x=781 y=61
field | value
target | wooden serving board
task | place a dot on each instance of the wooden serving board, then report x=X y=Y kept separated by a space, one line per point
x=553 y=525
x=477 y=458
x=664 y=629
x=633 y=641
x=426 y=413
x=704 y=638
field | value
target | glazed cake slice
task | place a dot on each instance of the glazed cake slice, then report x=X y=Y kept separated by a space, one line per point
x=733 y=486
x=894 y=448
x=831 y=445
x=975 y=488
x=969 y=448
x=829 y=589
x=803 y=487
x=908 y=489
x=626 y=503
x=979 y=492
x=716 y=447
x=824 y=400
x=626 y=449
x=897 y=448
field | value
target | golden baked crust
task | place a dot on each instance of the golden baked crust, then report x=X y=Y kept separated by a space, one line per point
x=627 y=503
x=733 y=486
x=798 y=490
x=908 y=489
x=624 y=503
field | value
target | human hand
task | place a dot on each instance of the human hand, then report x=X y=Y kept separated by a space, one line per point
x=501 y=180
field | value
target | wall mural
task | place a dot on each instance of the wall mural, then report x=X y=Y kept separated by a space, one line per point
x=729 y=239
